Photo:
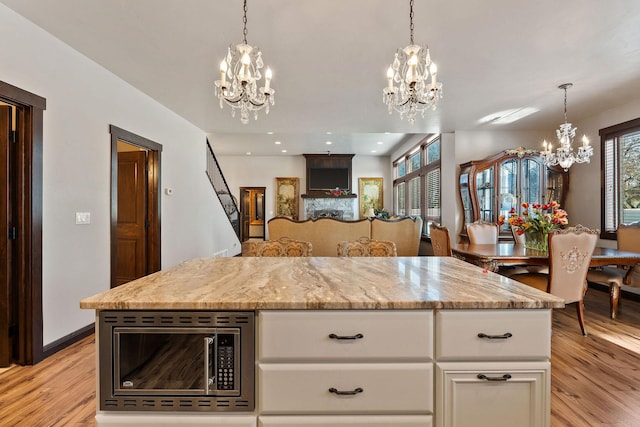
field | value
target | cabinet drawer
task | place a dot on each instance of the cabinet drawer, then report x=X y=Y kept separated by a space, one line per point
x=377 y=335
x=528 y=331
x=384 y=388
x=346 y=420
x=504 y=394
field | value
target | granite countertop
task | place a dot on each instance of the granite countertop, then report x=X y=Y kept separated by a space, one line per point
x=321 y=283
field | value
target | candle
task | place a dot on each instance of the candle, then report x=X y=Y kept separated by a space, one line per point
x=585 y=141
x=244 y=74
x=544 y=146
x=413 y=62
x=223 y=71
x=390 y=79
x=267 y=77
x=434 y=71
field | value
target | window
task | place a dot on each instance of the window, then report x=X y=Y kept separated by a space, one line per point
x=416 y=188
x=621 y=176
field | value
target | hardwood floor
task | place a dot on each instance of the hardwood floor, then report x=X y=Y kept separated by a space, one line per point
x=595 y=380
x=59 y=391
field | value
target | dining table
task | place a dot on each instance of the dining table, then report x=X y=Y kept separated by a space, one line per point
x=493 y=256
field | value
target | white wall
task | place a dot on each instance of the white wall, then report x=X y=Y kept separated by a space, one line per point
x=261 y=171
x=83 y=99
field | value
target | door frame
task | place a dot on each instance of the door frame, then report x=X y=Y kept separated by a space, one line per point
x=28 y=245
x=153 y=197
x=242 y=207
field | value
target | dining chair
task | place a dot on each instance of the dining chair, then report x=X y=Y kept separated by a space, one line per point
x=283 y=247
x=510 y=270
x=570 y=253
x=365 y=247
x=483 y=233
x=628 y=236
x=440 y=241
x=518 y=239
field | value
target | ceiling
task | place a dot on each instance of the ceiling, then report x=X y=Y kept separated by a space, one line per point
x=329 y=60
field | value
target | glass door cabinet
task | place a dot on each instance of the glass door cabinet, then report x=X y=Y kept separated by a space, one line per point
x=493 y=186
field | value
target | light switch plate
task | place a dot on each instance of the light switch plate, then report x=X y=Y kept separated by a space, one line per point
x=83 y=218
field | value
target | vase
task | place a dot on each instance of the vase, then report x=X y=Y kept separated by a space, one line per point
x=538 y=240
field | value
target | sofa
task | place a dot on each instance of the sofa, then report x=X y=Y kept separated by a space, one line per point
x=324 y=234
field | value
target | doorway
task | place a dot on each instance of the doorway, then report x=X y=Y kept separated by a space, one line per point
x=135 y=206
x=252 y=217
x=21 y=118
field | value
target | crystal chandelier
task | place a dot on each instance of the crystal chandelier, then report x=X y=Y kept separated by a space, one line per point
x=564 y=155
x=411 y=69
x=242 y=68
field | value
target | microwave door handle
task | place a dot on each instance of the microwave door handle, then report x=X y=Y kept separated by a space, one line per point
x=208 y=380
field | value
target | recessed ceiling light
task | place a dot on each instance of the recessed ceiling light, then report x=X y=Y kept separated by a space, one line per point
x=328 y=142
x=248 y=153
x=284 y=151
x=329 y=133
x=373 y=151
x=277 y=142
x=269 y=133
x=380 y=142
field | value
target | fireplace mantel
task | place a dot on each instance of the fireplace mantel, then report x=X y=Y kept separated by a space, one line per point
x=323 y=195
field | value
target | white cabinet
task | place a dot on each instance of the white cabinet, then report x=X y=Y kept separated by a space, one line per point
x=492 y=368
x=487 y=394
x=493 y=335
x=370 y=335
x=330 y=388
x=334 y=368
x=346 y=420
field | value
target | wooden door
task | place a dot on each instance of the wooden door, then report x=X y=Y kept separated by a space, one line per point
x=7 y=293
x=131 y=238
x=245 y=201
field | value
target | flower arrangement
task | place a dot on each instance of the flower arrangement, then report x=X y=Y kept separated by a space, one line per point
x=542 y=217
x=537 y=221
x=338 y=192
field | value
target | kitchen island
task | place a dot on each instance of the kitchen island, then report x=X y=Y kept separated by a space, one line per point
x=406 y=341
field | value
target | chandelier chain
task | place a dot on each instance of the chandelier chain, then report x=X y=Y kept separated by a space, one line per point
x=565 y=104
x=411 y=21
x=244 y=20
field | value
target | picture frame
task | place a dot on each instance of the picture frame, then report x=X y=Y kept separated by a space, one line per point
x=287 y=197
x=370 y=195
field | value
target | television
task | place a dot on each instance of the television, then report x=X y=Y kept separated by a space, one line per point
x=328 y=179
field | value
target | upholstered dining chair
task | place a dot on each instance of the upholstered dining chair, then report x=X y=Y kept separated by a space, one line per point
x=440 y=240
x=570 y=253
x=518 y=239
x=483 y=233
x=365 y=247
x=614 y=277
x=283 y=247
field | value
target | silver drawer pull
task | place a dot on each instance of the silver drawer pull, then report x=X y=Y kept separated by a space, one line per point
x=495 y=337
x=346 y=337
x=505 y=377
x=347 y=392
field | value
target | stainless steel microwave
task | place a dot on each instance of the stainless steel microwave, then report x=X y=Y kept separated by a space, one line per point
x=177 y=361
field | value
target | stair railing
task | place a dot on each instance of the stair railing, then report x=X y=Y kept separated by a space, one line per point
x=227 y=200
